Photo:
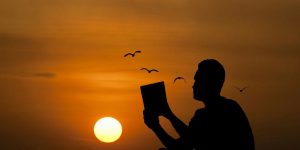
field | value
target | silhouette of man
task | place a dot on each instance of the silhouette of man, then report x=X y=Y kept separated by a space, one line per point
x=220 y=125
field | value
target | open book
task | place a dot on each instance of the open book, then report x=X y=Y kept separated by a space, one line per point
x=154 y=97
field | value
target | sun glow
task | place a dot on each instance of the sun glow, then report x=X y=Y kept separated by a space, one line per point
x=108 y=129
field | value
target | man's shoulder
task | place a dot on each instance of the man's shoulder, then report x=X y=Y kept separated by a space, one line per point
x=229 y=103
x=232 y=106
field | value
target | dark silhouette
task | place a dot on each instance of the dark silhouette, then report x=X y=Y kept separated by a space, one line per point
x=178 y=78
x=132 y=54
x=241 y=89
x=220 y=125
x=154 y=97
x=149 y=70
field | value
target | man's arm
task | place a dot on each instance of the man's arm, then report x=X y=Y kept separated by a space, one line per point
x=179 y=126
x=152 y=121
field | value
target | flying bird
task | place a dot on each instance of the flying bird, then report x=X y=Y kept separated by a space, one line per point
x=178 y=78
x=241 y=89
x=132 y=54
x=149 y=70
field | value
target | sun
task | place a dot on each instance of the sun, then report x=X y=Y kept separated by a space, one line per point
x=108 y=129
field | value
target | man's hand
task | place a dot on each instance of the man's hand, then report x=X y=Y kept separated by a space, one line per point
x=151 y=119
x=167 y=113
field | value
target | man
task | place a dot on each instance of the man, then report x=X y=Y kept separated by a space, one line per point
x=220 y=125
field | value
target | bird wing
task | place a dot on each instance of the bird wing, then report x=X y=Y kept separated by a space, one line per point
x=127 y=54
x=177 y=78
x=154 y=70
x=137 y=52
x=144 y=69
x=174 y=80
x=183 y=79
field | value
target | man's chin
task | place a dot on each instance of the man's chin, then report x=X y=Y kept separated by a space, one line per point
x=198 y=97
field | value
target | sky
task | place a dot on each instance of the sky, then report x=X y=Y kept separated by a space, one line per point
x=62 y=67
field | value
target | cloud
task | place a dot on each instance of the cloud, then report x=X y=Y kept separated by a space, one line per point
x=44 y=74
x=30 y=74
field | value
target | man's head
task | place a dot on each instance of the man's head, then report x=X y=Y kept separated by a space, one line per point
x=209 y=79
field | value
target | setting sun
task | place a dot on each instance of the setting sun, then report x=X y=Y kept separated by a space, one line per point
x=108 y=129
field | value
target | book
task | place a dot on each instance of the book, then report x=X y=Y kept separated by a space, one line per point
x=154 y=97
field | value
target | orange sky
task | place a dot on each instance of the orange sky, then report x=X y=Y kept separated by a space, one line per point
x=62 y=67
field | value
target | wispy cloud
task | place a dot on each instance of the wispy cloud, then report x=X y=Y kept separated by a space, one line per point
x=29 y=75
x=44 y=74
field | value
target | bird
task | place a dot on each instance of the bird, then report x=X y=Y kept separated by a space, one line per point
x=241 y=89
x=178 y=78
x=132 y=54
x=149 y=70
